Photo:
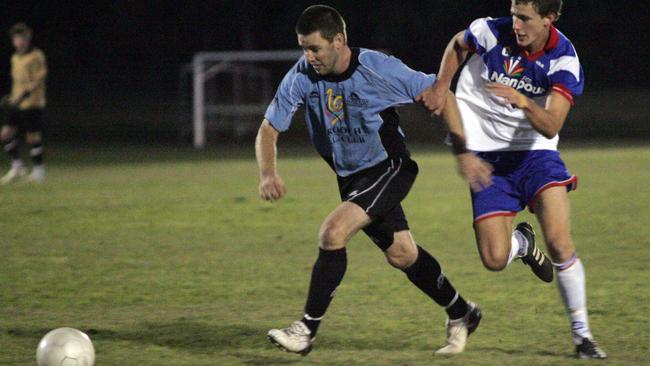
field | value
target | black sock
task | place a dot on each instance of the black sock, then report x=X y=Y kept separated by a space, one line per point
x=36 y=152
x=427 y=275
x=12 y=147
x=326 y=276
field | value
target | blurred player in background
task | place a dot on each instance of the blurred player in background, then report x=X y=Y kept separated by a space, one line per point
x=349 y=96
x=25 y=106
x=514 y=95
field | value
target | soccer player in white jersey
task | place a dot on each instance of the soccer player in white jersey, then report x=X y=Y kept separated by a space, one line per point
x=514 y=95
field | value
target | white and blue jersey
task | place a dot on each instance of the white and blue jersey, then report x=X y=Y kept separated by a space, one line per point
x=351 y=117
x=490 y=124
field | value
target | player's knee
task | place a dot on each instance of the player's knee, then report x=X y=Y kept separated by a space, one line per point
x=494 y=260
x=495 y=265
x=560 y=250
x=33 y=138
x=494 y=253
x=401 y=261
x=331 y=236
x=7 y=133
x=401 y=255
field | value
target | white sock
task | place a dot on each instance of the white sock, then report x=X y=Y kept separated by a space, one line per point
x=571 y=282
x=16 y=164
x=38 y=169
x=518 y=246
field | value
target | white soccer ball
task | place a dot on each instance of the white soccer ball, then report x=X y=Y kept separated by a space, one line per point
x=65 y=347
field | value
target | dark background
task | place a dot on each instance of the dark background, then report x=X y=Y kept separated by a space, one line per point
x=114 y=65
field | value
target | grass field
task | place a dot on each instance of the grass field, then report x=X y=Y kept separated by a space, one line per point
x=168 y=257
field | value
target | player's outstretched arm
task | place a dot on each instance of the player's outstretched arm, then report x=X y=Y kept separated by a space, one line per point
x=473 y=169
x=546 y=120
x=434 y=98
x=271 y=185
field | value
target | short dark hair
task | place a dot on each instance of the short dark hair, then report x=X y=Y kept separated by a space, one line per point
x=20 y=29
x=544 y=7
x=322 y=18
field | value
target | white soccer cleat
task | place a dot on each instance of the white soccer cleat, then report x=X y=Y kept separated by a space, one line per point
x=459 y=329
x=13 y=175
x=37 y=175
x=297 y=338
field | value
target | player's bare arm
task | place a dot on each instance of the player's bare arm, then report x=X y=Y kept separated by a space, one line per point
x=271 y=185
x=549 y=120
x=473 y=169
x=434 y=98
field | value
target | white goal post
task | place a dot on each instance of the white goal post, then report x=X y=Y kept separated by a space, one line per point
x=206 y=65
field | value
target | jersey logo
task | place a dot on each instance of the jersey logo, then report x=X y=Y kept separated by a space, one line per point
x=354 y=100
x=513 y=76
x=510 y=66
x=335 y=106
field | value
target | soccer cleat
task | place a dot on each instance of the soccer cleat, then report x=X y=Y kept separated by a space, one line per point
x=459 y=329
x=13 y=175
x=535 y=258
x=589 y=349
x=297 y=338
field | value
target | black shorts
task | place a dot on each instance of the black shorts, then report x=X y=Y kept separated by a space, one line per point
x=379 y=190
x=30 y=120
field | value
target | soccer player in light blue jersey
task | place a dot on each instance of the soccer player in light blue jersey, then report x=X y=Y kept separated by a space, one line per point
x=514 y=95
x=349 y=96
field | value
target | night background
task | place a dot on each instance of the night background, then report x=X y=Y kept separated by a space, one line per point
x=165 y=255
x=114 y=65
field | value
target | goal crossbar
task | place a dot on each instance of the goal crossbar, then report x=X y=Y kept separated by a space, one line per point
x=219 y=61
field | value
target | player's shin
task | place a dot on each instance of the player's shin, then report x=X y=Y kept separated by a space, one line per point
x=36 y=152
x=12 y=147
x=427 y=275
x=326 y=276
x=571 y=282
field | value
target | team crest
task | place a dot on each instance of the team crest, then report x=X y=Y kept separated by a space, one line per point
x=512 y=68
x=335 y=106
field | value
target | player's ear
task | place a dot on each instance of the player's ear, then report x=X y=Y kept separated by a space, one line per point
x=339 y=40
x=550 y=19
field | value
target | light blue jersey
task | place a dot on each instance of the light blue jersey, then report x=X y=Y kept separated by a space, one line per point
x=351 y=117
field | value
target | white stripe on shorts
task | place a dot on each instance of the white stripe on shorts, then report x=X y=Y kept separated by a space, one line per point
x=371 y=187
x=385 y=185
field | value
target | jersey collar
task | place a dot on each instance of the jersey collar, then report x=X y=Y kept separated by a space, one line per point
x=551 y=43
x=354 y=63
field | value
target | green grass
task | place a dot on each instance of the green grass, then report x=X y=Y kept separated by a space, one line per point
x=168 y=257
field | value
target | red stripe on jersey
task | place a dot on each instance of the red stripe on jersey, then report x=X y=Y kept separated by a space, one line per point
x=564 y=91
x=551 y=43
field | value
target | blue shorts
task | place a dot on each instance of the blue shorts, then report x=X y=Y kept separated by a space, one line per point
x=518 y=179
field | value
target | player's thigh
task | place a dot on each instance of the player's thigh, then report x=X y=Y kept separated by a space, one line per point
x=553 y=212
x=8 y=132
x=383 y=228
x=341 y=224
x=493 y=238
x=403 y=252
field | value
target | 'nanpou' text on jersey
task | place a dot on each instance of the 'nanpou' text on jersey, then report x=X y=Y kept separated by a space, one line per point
x=489 y=123
x=351 y=117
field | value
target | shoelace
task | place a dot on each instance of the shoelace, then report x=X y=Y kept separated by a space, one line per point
x=296 y=329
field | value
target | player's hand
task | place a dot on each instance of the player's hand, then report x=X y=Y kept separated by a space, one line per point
x=272 y=188
x=433 y=98
x=509 y=94
x=476 y=171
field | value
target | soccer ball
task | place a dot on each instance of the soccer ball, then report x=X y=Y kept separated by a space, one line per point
x=65 y=347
